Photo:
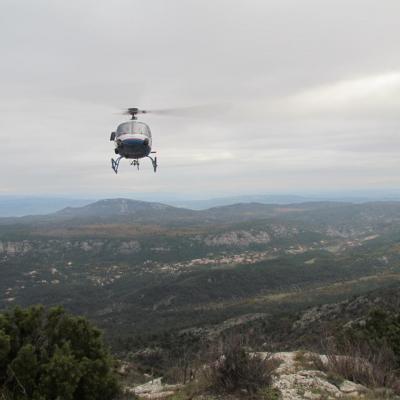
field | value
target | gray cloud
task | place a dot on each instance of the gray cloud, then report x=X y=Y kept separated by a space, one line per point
x=313 y=90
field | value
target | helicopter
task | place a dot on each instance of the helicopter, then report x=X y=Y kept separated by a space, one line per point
x=133 y=141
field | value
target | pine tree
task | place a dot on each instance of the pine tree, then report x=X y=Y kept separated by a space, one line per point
x=53 y=355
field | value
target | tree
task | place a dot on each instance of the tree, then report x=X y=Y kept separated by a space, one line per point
x=49 y=354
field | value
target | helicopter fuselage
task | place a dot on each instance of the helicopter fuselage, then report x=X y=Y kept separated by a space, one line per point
x=133 y=145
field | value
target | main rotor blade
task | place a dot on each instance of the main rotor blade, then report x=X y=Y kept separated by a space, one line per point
x=189 y=111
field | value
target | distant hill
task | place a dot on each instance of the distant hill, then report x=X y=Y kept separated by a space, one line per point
x=109 y=211
x=225 y=201
x=361 y=197
x=112 y=207
x=345 y=217
x=17 y=206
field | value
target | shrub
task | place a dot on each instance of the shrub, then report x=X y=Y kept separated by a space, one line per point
x=234 y=369
x=361 y=363
x=53 y=355
x=380 y=329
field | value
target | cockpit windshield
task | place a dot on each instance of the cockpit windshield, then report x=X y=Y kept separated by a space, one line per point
x=133 y=127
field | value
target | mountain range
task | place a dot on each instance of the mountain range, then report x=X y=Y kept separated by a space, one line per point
x=15 y=206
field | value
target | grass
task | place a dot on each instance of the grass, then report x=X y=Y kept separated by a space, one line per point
x=335 y=379
x=269 y=393
x=304 y=359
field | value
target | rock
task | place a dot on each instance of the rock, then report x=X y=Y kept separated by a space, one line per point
x=153 y=389
x=348 y=387
x=124 y=368
x=311 y=395
x=158 y=395
x=296 y=382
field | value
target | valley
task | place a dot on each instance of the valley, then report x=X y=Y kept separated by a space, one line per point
x=136 y=267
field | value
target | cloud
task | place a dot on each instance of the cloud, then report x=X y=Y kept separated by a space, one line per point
x=376 y=94
x=311 y=94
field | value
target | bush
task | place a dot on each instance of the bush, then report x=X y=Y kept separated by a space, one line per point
x=362 y=363
x=367 y=352
x=234 y=369
x=53 y=355
x=380 y=329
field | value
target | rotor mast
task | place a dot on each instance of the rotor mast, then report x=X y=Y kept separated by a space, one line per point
x=133 y=111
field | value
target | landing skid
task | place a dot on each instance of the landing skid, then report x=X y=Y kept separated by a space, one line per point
x=154 y=162
x=115 y=164
x=135 y=163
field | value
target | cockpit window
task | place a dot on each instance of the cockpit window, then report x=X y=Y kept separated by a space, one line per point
x=132 y=127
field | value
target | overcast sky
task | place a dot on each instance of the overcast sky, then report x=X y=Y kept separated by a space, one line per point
x=306 y=95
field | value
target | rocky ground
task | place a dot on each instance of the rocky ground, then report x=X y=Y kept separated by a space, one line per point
x=294 y=379
x=153 y=389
